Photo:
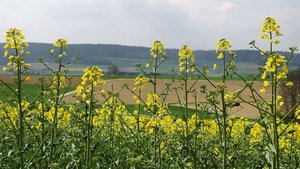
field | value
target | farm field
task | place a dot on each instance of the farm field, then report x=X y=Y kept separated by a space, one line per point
x=172 y=99
x=117 y=82
x=191 y=119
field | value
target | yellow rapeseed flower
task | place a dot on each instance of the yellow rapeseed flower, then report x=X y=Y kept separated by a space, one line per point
x=27 y=78
x=61 y=43
x=223 y=45
x=186 y=58
x=215 y=66
x=185 y=52
x=140 y=82
x=15 y=40
x=262 y=90
x=5 y=69
x=264 y=75
x=270 y=29
x=266 y=83
x=220 y=56
x=289 y=84
x=157 y=49
x=92 y=77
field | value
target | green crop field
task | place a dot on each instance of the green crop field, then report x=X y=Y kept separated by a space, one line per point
x=30 y=91
x=175 y=111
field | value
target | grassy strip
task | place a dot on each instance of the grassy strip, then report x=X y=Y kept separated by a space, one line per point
x=28 y=90
x=177 y=112
x=217 y=78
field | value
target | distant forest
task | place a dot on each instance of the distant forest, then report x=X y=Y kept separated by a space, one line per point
x=120 y=55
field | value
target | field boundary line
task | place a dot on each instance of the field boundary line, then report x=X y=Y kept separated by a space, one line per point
x=69 y=93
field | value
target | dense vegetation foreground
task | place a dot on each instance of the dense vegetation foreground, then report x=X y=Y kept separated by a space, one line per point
x=46 y=132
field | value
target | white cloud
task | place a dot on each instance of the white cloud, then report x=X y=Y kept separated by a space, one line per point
x=199 y=23
x=226 y=7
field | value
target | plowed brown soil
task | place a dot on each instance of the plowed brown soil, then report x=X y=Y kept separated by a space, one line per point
x=116 y=85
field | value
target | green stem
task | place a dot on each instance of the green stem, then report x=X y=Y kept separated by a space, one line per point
x=224 y=109
x=89 y=136
x=43 y=134
x=155 y=76
x=138 y=121
x=274 y=111
x=21 y=135
x=112 y=107
x=155 y=108
x=53 y=131
x=186 y=103
x=86 y=138
x=155 y=144
x=196 y=133
x=159 y=150
x=21 y=113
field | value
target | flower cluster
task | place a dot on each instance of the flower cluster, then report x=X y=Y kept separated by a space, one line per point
x=279 y=103
x=223 y=45
x=59 y=78
x=155 y=106
x=15 y=42
x=9 y=115
x=270 y=29
x=276 y=64
x=110 y=111
x=157 y=49
x=186 y=59
x=60 y=43
x=140 y=82
x=63 y=116
x=91 y=79
x=231 y=98
x=153 y=100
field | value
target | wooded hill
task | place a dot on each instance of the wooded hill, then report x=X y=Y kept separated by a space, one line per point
x=128 y=56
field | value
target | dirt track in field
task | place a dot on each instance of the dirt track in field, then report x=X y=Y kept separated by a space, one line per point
x=244 y=109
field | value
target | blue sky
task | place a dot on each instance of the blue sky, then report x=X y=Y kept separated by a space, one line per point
x=198 y=23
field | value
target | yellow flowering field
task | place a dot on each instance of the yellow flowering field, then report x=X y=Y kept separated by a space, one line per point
x=97 y=127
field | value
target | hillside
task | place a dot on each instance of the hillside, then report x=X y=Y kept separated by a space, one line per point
x=128 y=56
